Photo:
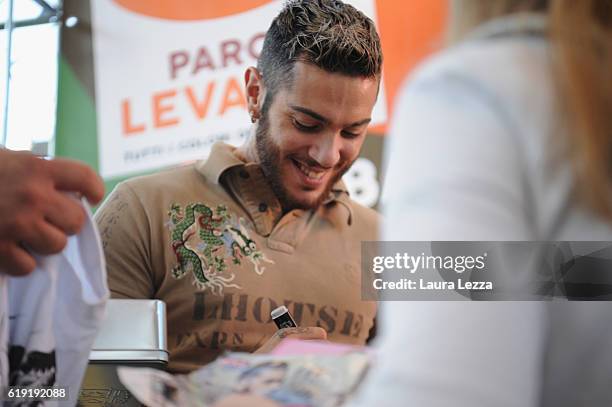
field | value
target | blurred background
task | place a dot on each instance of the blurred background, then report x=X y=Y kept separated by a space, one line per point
x=31 y=88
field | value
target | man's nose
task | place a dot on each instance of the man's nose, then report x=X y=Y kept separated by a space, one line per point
x=325 y=151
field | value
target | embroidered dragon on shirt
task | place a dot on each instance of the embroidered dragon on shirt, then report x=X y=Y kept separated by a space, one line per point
x=204 y=239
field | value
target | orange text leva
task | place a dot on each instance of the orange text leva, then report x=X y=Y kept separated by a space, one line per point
x=162 y=109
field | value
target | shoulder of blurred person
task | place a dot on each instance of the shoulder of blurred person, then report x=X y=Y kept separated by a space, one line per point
x=502 y=131
x=504 y=63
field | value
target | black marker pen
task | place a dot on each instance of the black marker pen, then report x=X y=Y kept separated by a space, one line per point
x=282 y=318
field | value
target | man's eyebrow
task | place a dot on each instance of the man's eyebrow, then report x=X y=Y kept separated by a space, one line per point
x=310 y=113
x=324 y=119
x=360 y=122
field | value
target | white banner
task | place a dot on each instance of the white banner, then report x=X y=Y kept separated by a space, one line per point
x=168 y=88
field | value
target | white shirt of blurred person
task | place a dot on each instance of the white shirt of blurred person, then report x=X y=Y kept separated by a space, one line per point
x=474 y=155
x=36 y=213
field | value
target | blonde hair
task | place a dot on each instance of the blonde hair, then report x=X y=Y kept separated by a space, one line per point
x=581 y=37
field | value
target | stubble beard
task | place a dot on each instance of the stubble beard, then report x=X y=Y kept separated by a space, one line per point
x=270 y=157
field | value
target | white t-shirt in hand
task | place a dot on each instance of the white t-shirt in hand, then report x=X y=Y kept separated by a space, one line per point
x=54 y=315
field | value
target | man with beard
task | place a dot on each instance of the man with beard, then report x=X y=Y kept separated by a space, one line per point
x=228 y=239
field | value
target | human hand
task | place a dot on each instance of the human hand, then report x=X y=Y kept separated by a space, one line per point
x=35 y=212
x=306 y=333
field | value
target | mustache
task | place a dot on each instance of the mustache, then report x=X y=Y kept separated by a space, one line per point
x=340 y=165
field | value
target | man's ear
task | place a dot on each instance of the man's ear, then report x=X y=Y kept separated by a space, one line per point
x=255 y=92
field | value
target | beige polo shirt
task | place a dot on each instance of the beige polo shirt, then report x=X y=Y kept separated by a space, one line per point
x=211 y=241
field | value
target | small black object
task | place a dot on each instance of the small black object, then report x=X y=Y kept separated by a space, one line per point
x=282 y=318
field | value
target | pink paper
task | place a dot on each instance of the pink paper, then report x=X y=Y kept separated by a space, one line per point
x=301 y=347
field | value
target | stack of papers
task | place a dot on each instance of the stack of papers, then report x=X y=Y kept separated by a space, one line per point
x=298 y=373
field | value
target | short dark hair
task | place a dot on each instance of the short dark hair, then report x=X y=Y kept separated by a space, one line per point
x=330 y=34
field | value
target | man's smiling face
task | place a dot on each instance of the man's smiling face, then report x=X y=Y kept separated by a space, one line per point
x=312 y=131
